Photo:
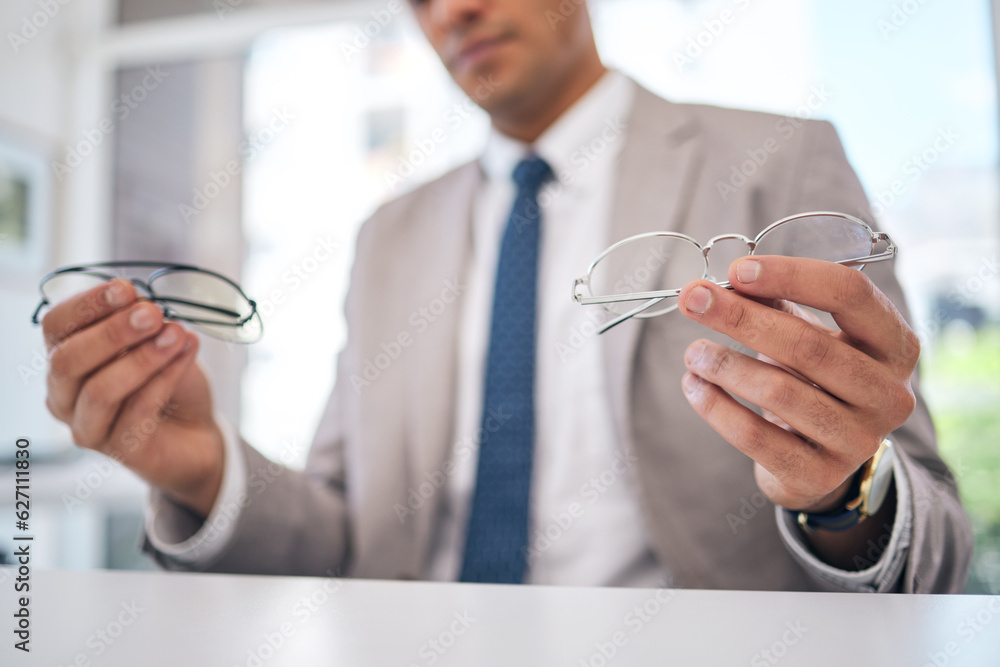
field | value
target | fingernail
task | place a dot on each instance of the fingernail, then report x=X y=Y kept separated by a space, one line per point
x=699 y=300
x=167 y=338
x=748 y=270
x=141 y=318
x=695 y=352
x=114 y=295
x=691 y=383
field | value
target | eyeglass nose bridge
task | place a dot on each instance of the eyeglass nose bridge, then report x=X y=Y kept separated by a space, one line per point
x=748 y=242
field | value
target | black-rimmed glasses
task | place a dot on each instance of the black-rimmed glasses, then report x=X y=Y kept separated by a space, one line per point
x=208 y=301
x=651 y=268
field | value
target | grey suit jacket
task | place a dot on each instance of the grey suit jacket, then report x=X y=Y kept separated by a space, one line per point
x=378 y=442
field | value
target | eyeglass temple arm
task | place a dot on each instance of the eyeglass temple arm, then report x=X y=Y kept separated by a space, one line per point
x=34 y=316
x=185 y=302
x=629 y=315
x=203 y=306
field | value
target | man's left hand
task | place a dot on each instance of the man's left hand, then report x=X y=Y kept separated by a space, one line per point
x=829 y=397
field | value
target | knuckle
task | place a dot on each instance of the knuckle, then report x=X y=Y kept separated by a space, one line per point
x=81 y=437
x=911 y=347
x=811 y=348
x=116 y=332
x=905 y=401
x=60 y=362
x=719 y=362
x=94 y=397
x=855 y=289
x=709 y=400
x=54 y=409
x=829 y=477
x=737 y=316
x=754 y=440
x=778 y=395
x=829 y=426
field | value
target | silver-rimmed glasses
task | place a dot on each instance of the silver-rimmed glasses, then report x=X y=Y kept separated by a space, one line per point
x=652 y=268
x=208 y=301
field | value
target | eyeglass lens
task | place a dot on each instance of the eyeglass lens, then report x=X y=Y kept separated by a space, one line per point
x=215 y=304
x=657 y=262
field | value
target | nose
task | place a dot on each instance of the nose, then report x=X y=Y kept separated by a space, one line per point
x=449 y=14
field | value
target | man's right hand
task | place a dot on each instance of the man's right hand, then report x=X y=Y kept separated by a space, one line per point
x=127 y=384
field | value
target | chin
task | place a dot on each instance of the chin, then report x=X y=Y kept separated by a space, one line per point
x=498 y=80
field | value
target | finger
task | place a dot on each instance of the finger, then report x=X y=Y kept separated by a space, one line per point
x=785 y=306
x=80 y=355
x=859 y=308
x=811 y=412
x=151 y=402
x=805 y=473
x=102 y=395
x=840 y=369
x=82 y=310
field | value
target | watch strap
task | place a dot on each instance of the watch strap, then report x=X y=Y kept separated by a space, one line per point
x=854 y=510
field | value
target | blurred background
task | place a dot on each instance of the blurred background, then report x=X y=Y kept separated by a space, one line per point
x=252 y=137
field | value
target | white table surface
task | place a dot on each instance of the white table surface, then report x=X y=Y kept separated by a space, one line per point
x=134 y=619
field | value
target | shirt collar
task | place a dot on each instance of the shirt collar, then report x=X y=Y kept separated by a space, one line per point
x=594 y=125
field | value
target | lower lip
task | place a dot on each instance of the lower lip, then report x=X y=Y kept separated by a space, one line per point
x=481 y=53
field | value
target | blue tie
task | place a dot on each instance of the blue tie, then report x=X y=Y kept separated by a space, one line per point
x=497 y=538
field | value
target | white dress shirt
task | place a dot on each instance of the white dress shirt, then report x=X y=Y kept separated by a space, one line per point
x=586 y=524
x=585 y=520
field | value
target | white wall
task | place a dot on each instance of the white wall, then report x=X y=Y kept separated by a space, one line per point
x=51 y=89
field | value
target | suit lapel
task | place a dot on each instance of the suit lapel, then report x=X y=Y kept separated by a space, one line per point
x=658 y=165
x=432 y=384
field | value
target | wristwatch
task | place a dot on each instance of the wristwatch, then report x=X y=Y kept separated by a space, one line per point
x=867 y=493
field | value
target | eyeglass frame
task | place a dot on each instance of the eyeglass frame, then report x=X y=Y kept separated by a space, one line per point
x=163 y=302
x=658 y=296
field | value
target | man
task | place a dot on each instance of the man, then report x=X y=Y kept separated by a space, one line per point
x=502 y=445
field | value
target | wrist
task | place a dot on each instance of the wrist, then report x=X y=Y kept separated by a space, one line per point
x=866 y=493
x=200 y=491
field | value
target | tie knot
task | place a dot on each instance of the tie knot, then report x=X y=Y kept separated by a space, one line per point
x=531 y=172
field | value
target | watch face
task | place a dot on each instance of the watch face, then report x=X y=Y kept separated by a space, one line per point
x=881 y=480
